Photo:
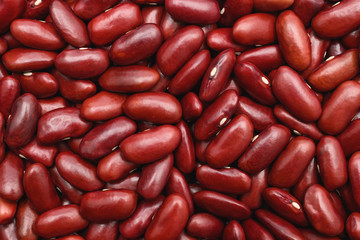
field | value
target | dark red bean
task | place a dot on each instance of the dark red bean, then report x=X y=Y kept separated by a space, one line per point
x=114 y=205
x=2 y=132
x=49 y=104
x=353 y=226
x=11 y=177
x=254 y=231
x=221 y=39
x=129 y=182
x=217 y=75
x=309 y=177
x=37 y=152
x=152 y=14
x=137 y=45
x=310 y=234
x=98 y=231
x=61 y=123
x=266 y=147
x=174 y=207
x=7 y=211
x=169 y=25
x=70 y=27
x=295 y=158
x=51 y=223
x=36 y=9
x=335 y=48
x=78 y=172
x=253 y=198
x=151 y=145
x=185 y=153
x=36 y=34
x=233 y=231
x=271 y=5
x=221 y=205
x=204 y=225
x=307 y=9
x=232 y=10
x=136 y=225
x=9 y=10
x=21 y=125
x=100 y=140
x=321 y=212
x=191 y=106
x=194 y=12
x=39 y=189
x=354 y=170
x=351 y=40
x=25 y=221
x=88 y=9
x=154 y=177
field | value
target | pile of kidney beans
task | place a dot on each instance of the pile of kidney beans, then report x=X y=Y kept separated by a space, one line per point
x=179 y=119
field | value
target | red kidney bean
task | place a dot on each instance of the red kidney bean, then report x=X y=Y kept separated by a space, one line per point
x=321 y=212
x=3 y=71
x=335 y=71
x=227 y=180
x=100 y=140
x=11 y=177
x=353 y=226
x=3 y=46
x=71 y=28
x=348 y=198
x=169 y=25
x=61 y=123
x=89 y=62
x=340 y=108
x=102 y=106
x=332 y=163
x=265 y=58
x=184 y=236
x=136 y=225
x=349 y=138
x=319 y=47
x=152 y=14
x=266 y=147
x=189 y=75
x=174 y=207
x=178 y=49
x=71 y=237
x=298 y=127
x=11 y=41
x=129 y=79
x=307 y=9
x=221 y=39
x=351 y=40
x=78 y=172
x=49 y=104
x=2 y=132
x=254 y=82
x=40 y=84
x=200 y=12
x=337 y=202
x=153 y=107
x=39 y=189
x=191 y=106
x=73 y=194
x=253 y=198
x=114 y=167
x=310 y=234
x=309 y=177
x=25 y=221
x=8 y=231
x=177 y=184
x=271 y=5
x=185 y=152
x=335 y=48
x=291 y=90
x=51 y=223
x=7 y=211
x=233 y=231
x=215 y=117
x=129 y=182
x=230 y=143
x=26 y=59
x=154 y=176
x=254 y=231
x=286 y=205
x=204 y=225
x=221 y=205
x=36 y=9
x=260 y=115
x=293 y=40
x=137 y=45
x=162 y=84
x=217 y=75
x=354 y=170
x=232 y=10
x=9 y=10
x=108 y=26
x=9 y=92
x=255 y=29
x=98 y=231
x=294 y=158
x=114 y=205
x=279 y=227
x=231 y=85
x=21 y=124
x=36 y=34
x=88 y=9
x=151 y=145
x=338 y=20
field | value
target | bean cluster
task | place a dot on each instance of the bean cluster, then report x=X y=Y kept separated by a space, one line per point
x=179 y=119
